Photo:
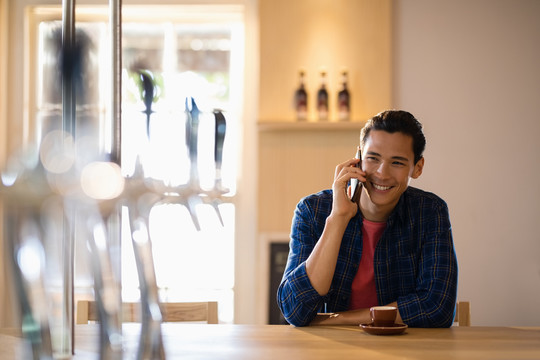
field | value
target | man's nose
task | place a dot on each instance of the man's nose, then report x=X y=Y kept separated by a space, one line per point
x=383 y=169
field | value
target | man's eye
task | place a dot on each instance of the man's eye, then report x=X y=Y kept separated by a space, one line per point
x=397 y=163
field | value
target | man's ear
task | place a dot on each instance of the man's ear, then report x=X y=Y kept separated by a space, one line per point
x=418 y=167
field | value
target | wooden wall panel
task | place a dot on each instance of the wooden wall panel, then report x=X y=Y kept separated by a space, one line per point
x=295 y=164
x=310 y=34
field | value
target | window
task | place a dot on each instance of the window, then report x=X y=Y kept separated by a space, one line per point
x=192 y=51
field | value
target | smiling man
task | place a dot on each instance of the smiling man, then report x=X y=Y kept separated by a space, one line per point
x=393 y=246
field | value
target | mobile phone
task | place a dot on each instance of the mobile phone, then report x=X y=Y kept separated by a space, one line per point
x=355 y=184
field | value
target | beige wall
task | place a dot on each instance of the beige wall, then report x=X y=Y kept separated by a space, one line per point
x=469 y=71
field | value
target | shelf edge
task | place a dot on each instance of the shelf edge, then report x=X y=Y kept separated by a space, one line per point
x=264 y=126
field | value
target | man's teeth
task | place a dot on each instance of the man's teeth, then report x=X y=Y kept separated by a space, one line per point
x=382 y=188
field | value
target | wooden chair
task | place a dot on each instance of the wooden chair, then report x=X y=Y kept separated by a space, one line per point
x=172 y=312
x=463 y=313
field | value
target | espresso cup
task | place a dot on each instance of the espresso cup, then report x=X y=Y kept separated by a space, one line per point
x=383 y=315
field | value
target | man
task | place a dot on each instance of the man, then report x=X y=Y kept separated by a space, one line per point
x=393 y=246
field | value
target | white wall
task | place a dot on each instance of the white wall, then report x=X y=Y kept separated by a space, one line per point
x=469 y=70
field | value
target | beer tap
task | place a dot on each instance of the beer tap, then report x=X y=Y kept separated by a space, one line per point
x=140 y=196
x=189 y=195
x=106 y=282
x=26 y=254
x=220 y=130
x=148 y=91
x=214 y=196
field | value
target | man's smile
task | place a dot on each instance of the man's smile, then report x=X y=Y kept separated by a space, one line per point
x=380 y=187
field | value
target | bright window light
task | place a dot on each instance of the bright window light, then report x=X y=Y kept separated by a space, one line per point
x=193 y=52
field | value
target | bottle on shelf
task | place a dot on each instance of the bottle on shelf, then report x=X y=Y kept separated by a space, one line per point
x=344 y=99
x=300 y=98
x=322 y=98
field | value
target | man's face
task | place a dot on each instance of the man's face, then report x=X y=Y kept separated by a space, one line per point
x=388 y=160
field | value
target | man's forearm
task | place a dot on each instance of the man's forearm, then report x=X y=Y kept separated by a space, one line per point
x=321 y=263
x=350 y=317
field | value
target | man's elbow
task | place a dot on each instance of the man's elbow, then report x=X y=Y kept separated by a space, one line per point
x=296 y=322
x=439 y=320
x=293 y=316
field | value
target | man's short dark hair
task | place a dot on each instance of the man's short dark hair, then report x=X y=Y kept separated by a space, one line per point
x=393 y=121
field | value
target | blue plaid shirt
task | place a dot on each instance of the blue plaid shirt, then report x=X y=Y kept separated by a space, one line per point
x=415 y=262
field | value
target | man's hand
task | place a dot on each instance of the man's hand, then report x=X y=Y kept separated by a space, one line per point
x=342 y=206
x=351 y=317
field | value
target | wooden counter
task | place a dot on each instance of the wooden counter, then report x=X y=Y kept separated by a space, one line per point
x=197 y=341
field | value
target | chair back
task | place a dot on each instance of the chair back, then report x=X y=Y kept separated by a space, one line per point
x=171 y=312
x=463 y=313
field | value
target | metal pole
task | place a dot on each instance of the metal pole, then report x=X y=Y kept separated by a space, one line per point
x=68 y=125
x=115 y=219
x=115 y=9
x=68 y=47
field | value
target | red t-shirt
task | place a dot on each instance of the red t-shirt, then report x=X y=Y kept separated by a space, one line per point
x=364 y=292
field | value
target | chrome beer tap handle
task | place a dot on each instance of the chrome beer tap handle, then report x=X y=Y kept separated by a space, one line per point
x=141 y=196
x=220 y=131
x=192 y=141
x=191 y=194
x=29 y=260
x=150 y=340
x=148 y=87
x=106 y=285
x=23 y=196
x=213 y=197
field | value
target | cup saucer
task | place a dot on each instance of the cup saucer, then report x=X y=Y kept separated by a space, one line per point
x=384 y=330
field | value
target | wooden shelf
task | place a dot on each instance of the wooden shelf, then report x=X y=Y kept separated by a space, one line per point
x=310 y=125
